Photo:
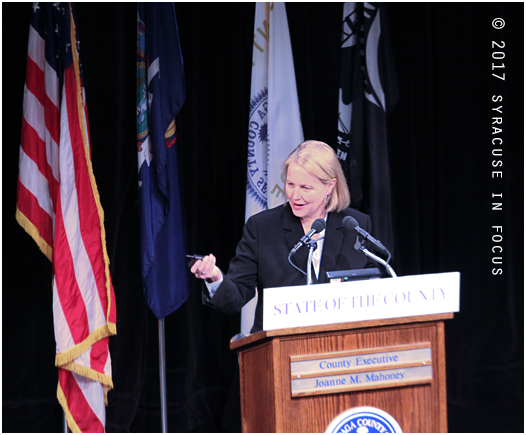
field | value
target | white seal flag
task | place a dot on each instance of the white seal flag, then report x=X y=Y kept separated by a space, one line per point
x=274 y=124
x=274 y=128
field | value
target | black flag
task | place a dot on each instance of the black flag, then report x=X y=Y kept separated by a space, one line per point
x=368 y=91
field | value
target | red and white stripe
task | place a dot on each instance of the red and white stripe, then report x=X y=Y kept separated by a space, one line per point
x=58 y=205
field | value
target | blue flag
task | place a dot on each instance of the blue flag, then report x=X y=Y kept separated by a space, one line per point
x=160 y=96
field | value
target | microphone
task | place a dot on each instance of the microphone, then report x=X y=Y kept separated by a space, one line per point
x=317 y=227
x=351 y=224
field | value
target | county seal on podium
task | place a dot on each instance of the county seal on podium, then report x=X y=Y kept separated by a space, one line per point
x=364 y=419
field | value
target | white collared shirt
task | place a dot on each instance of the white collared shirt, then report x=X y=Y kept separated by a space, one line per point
x=316 y=256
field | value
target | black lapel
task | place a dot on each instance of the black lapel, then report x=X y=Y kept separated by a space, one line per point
x=293 y=232
x=332 y=245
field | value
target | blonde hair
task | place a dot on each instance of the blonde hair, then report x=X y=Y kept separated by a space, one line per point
x=320 y=160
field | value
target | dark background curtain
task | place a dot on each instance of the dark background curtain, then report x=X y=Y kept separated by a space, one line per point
x=440 y=135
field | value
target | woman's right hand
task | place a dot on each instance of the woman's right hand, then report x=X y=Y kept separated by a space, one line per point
x=206 y=269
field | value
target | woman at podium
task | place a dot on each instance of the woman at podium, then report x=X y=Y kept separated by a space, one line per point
x=316 y=189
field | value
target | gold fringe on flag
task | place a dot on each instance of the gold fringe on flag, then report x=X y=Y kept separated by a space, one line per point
x=112 y=327
x=27 y=225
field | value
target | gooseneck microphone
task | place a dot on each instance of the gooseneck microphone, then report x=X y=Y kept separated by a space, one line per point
x=317 y=227
x=351 y=224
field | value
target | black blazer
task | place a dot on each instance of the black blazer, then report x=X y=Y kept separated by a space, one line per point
x=262 y=257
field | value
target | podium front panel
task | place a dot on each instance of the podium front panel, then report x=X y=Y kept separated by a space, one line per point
x=269 y=405
x=257 y=389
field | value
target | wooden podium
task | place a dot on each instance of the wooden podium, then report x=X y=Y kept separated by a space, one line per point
x=272 y=361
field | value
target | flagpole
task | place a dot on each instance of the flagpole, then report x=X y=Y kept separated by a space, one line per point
x=162 y=376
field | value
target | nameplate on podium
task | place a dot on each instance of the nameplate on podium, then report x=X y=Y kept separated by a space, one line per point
x=363 y=369
x=323 y=304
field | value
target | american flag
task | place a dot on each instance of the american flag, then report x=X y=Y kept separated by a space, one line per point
x=58 y=205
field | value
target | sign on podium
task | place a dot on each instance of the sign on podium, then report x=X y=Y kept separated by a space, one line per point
x=323 y=304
